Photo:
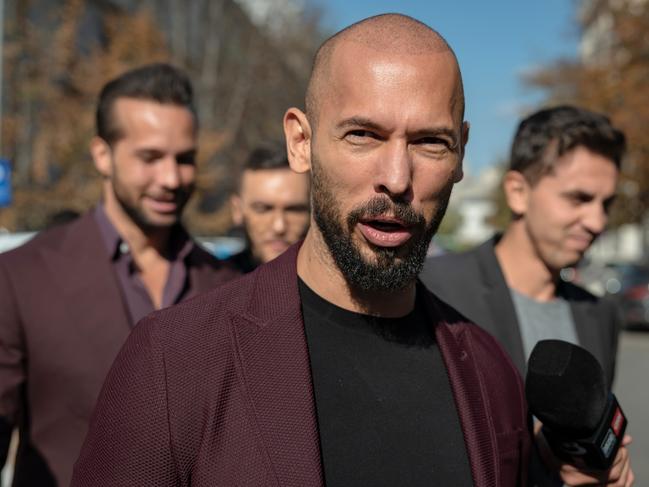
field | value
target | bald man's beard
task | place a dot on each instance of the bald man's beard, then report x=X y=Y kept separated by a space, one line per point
x=391 y=269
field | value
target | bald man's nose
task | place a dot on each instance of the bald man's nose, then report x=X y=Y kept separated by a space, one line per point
x=394 y=174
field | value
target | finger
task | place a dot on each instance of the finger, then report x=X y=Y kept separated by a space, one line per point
x=621 y=457
x=630 y=479
x=622 y=481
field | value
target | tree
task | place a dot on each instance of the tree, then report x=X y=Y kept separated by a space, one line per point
x=60 y=52
x=612 y=76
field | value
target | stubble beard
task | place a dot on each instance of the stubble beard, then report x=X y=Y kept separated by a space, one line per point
x=391 y=269
x=137 y=215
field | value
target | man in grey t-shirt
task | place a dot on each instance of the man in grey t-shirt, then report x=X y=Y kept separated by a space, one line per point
x=561 y=182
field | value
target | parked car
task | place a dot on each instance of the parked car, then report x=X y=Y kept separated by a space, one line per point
x=635 y=306
x=628 y=284
x=630 y=287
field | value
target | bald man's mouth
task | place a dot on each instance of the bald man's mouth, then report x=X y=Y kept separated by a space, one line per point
x=386 y=231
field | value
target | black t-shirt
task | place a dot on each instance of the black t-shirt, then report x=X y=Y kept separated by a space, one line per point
x=386 y=414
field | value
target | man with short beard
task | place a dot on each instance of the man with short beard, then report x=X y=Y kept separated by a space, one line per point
x=270 y=205
x=560 y=184
x=70 y=297
x=330 y=364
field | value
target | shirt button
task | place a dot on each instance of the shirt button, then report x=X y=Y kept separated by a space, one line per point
x=123 y=248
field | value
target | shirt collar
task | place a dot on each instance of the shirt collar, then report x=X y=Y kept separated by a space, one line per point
x=180 y=243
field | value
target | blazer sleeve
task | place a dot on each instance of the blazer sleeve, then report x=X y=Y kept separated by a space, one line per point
x=128 y=442
x=12 y=360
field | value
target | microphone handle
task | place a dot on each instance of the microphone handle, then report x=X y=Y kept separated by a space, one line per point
x=596 y=450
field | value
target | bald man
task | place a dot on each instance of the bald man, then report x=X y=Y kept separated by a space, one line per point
x=331 y=364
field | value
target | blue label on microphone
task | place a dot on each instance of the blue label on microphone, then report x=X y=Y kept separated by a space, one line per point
x=609 y=443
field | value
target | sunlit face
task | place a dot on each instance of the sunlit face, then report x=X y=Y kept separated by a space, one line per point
x=386 y=152
x=568 y=208
x=273 y=207
x=152 y=166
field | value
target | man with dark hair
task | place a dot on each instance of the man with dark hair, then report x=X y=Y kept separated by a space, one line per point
x=271 y=204
x=330 y=364
x=560 y=184
x=70 y=297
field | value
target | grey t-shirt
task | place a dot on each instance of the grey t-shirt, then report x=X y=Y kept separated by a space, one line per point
x=543 y=320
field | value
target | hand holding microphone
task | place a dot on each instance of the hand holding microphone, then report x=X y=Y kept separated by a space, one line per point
x=583 y=423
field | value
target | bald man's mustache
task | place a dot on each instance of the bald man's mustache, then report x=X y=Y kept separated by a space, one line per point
x=384 y=206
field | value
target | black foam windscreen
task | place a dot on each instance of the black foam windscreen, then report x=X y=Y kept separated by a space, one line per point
x=565 y=387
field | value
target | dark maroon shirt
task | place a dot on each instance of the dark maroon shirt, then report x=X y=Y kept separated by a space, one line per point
x=136 y=298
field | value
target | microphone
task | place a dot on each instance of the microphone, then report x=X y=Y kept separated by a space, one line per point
x=565 y=388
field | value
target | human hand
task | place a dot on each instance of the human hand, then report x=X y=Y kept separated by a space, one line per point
x=620 y=474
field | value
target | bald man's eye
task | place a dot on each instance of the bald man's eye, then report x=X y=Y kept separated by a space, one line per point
x=361 y=136
x=437 y=146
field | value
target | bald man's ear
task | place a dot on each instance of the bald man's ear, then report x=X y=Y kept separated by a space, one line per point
x=517 y=191
x=297 y=131
x=459 y=173
x=101 y=156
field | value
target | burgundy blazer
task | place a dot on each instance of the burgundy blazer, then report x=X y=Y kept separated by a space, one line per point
x=217 y=391
x=62 y=322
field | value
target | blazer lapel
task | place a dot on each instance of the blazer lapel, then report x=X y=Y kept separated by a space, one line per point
x=471 y=404
x=503 y=324
x=589 y=332
x=274 y=360
x=93 y=301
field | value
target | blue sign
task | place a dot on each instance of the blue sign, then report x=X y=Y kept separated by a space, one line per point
x=5 y=183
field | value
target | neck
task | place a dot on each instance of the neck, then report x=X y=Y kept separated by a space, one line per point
x=317 y=268
x=138 y=240
x=523 y=268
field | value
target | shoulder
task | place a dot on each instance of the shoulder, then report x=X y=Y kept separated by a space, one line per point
x=574 y=292
x=455 y=263
x=200 y=320
x=577 y=295
x=193 y=343
x=54 y=238
x=452 y=275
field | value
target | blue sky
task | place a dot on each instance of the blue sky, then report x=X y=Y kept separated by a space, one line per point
x=495 y=41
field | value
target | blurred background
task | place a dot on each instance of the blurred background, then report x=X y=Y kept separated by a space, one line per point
x=250 y=59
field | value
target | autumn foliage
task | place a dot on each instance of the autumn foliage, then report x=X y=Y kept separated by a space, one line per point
x=55 y=63
x=612 y=76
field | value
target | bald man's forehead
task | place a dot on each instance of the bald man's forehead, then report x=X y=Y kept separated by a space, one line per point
x=353 y=64
x=385 y=36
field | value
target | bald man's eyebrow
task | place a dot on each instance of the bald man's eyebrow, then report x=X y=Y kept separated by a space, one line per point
x=446 y=132
x=367 y=124
x=356 y=122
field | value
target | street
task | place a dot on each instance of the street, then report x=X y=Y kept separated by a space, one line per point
x=632 y=390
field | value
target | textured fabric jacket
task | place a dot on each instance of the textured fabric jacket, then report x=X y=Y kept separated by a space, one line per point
x=217 y=391
x=62 y=322
x=473 y=283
